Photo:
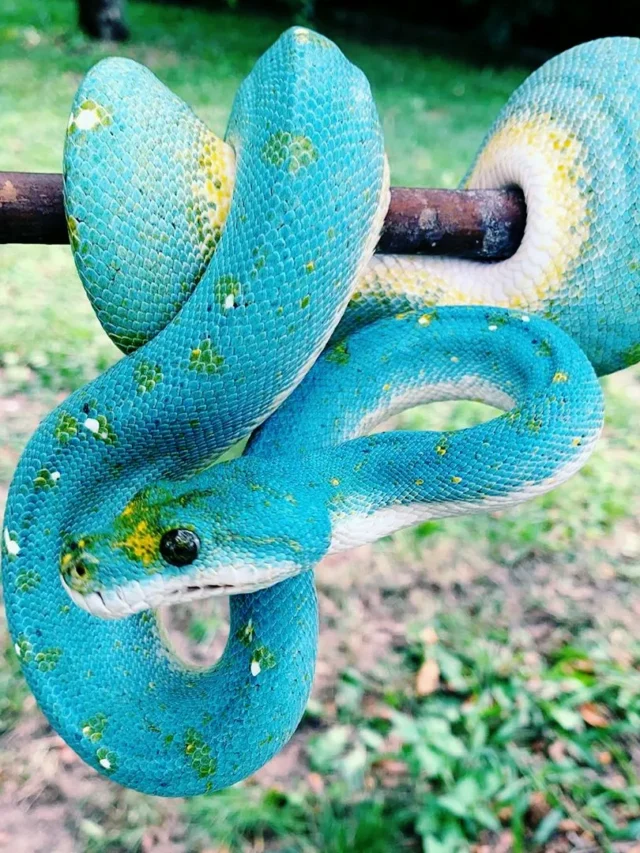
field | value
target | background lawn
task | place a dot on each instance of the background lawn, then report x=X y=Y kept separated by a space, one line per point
x=478 y=686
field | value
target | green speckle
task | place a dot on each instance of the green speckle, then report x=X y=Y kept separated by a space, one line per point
x=304 y=302
x=94 y=727
x=425 y=319
x=90 y=116
x=23 y=649
x=497 y=319
x=544 y=349
x=535 y=424
x=260 y=255
x=74 y=236
x=246 y=633
x=262 y=658
x=27 y=580
x=169 y=740
x=107 y=759
x=199 y=753
x=47 y=659
x=291 y=150
x=631 y=356
x=45 y=479
x=339 y=354
x=105 y=431
x=227 y=292
x=205 y=359
x=442 y=445
x=146 y=376
x=66 y=428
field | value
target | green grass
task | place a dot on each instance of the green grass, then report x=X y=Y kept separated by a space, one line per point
x=434 y=112
x=529 y=732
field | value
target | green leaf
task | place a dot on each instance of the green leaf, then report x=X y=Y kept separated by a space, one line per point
x=548 y=826
x=567 y=718
x=327 y=747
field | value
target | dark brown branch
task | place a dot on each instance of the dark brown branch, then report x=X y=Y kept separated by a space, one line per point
x=481 y=224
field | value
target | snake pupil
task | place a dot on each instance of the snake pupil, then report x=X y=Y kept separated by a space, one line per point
x=179 y=547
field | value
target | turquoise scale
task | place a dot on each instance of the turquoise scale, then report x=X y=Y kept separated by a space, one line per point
x=202 y=373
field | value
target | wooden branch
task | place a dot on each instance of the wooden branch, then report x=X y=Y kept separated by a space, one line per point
x=483 y=225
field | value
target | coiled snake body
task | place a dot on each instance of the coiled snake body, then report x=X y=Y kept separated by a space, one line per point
x=223 y=271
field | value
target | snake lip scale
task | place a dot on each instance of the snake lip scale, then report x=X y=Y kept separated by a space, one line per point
x=136 y=597
x=237 y=277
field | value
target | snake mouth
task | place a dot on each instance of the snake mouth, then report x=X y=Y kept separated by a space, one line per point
x=157 y=591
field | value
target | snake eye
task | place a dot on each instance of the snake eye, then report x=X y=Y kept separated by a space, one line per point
x=179 y=547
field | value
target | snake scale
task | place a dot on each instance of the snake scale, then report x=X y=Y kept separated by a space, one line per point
x=238 y=279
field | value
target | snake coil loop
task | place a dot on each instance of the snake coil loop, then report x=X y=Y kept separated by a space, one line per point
x=222 y=270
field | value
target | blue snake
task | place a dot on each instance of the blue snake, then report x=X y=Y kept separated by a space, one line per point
x=237 y=276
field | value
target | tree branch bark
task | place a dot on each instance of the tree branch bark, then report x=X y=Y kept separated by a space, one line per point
x=483 y=225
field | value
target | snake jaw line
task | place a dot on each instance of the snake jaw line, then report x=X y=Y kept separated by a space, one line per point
x=157 y=591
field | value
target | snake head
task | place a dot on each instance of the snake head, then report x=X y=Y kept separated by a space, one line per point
x=235 y=528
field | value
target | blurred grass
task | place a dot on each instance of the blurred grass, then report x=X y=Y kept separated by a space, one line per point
x=513 y=743
x=434 y=114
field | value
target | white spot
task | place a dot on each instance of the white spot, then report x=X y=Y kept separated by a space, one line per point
x=17 y=649
x=255 y=668
x=87 y=119
x=455 y=359
x=228 y=302
x=492 y=328
x=86 y=731
x=92 y=425
x=525 y=318
x=55 y=475
x=11 y=545
x=104 y=762
x=104 y=436
x=302 y=35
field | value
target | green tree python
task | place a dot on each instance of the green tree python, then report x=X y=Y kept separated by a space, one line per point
x=238 y=278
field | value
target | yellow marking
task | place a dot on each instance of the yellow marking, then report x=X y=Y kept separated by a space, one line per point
x=565 y=207
x=576 y=442
x=565 y=204
x=334 y=481
x=456 y=480
x=211 y=189
x=560 y=376
x=143 y=543
x=419 y=482
x=309 y=267
x=386 y=386
x=427 y=319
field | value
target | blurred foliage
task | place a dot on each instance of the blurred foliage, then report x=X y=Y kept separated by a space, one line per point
x=500 y=25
